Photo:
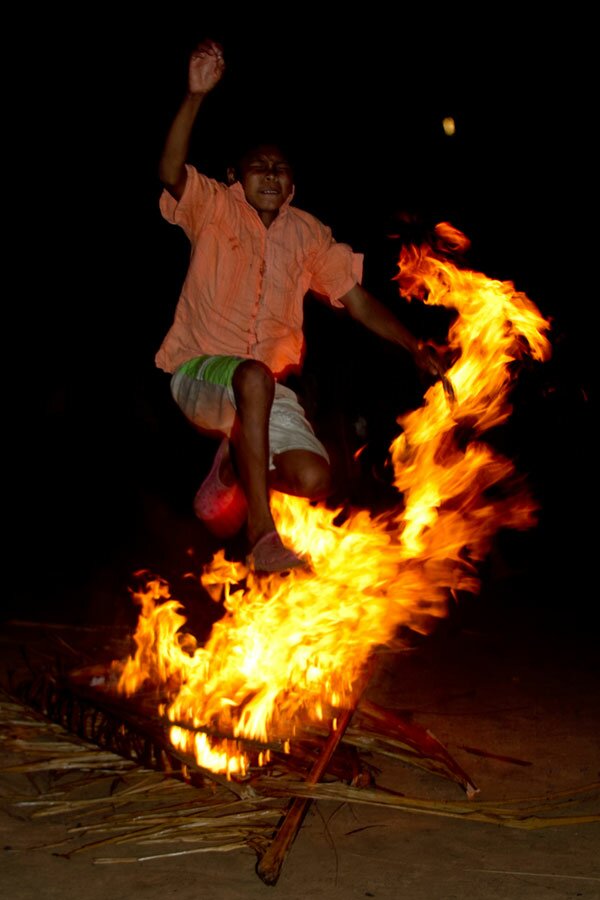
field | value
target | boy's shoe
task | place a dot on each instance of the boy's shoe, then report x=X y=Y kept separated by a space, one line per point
x=270 y=554
x=222 y=507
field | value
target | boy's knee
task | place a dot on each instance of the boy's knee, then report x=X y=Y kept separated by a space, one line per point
x=317 y=482
x=251 y=377
x=311 y=479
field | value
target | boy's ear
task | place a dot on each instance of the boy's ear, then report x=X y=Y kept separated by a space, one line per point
x=231 y=175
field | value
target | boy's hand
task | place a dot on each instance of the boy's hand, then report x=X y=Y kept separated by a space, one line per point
x=429 y=361
x=206 y=67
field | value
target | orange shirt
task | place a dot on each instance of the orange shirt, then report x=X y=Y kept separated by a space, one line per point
x=245 y=285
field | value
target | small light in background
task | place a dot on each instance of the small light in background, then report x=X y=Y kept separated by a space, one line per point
x=449 y=125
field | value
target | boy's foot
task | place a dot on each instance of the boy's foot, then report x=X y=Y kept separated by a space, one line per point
x=270 y=554
x=222 y=507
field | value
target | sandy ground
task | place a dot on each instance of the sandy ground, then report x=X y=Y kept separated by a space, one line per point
x=517 y=707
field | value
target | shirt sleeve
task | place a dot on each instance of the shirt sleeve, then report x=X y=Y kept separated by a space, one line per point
x=194 y=207
x=336 y=268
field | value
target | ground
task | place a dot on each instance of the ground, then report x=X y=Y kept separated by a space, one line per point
x=513 y=699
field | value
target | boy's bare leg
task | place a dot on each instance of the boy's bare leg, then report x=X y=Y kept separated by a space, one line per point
x=297 y=472
x=254 y=388
x=301 y=473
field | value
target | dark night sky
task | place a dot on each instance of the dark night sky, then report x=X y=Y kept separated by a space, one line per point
x=94 y=433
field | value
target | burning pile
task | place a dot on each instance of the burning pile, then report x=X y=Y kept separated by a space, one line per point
x=292 y=649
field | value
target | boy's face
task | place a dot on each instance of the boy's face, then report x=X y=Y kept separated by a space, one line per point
x=267 y=179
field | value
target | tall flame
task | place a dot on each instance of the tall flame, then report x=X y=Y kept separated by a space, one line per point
x=289 y=649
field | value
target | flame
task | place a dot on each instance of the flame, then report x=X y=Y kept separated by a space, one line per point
x=292 y=649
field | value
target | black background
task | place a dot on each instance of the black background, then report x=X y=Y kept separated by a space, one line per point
x=101 y=467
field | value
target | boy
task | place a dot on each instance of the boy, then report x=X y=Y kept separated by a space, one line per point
x=237 y=330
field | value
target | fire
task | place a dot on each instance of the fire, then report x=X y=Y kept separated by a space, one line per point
x=292 y=649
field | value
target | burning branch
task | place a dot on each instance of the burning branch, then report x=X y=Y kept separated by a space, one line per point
x=269 y=866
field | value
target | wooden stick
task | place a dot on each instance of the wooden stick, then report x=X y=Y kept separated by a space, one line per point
x=420 y=739
x=269 y=866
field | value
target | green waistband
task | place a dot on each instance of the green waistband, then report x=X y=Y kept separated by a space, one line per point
x=219 y=370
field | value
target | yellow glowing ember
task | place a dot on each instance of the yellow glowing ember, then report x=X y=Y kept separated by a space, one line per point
x=290 y=649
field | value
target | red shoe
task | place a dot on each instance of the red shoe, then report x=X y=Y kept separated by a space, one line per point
x=270 y=554
x=222 y=507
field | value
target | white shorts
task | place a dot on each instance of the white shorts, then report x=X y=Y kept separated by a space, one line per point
x=202 y=389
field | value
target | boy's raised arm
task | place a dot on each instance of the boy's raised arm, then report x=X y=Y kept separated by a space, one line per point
x=205 y=71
